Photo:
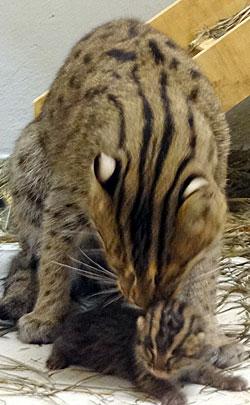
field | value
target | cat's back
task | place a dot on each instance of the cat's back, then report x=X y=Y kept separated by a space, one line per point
x=108 y=76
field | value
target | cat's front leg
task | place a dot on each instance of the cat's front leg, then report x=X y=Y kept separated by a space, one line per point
x=168 y=393
x=62 y=223
x=212 y=376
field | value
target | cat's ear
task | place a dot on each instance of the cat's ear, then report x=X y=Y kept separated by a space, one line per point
x=107 y=172
x=195 y=184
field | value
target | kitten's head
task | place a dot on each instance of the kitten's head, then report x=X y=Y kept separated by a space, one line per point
x=152 y=238
x=170 y=339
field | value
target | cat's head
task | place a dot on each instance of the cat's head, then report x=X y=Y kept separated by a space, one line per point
x=153 y=234
x=170 y=339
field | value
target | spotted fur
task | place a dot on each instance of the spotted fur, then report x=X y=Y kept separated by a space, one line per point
x=156 y=351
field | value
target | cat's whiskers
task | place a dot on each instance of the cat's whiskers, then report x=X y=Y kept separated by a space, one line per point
x=95 y=276
x=104 y=269
x=99 y=270
x=94 y=250
x=104 y=292
x=113 y=300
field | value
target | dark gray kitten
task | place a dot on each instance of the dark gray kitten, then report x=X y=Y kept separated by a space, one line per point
x=155 y=351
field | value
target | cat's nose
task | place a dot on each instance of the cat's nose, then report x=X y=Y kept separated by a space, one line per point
x=140 y=300
x=142 y=294
x=138 y=291
x=133 y=295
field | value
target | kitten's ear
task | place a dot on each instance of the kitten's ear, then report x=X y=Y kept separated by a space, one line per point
x=107 y=172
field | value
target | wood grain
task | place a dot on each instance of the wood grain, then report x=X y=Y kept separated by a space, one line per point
x=227 y=65
x=184 y=18
x=38 y=103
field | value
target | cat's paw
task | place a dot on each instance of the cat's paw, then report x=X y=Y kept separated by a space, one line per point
x=234 y=384
x=33 y=328
x=230 y=354
x=57 y=360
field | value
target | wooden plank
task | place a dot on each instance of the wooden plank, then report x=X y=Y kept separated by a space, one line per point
x=227 y=65
x=184 y=18
x=38 y=103
x=225 y=61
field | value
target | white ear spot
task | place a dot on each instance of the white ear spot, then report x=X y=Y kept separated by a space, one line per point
x=104 y=167
x=194 y=185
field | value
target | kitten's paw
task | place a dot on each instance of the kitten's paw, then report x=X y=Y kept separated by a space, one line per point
x=174 y=398
x=234 y=384
x=57 y=360
x=33 y=328
x=230 y=354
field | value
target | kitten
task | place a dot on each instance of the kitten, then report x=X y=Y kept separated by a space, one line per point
x=155 y=351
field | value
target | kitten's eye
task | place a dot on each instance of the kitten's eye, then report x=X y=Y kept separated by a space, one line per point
x=107 y=171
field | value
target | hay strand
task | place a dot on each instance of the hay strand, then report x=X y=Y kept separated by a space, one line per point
x=219 y=29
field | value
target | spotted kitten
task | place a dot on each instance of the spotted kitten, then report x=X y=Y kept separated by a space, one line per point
x=156 y=351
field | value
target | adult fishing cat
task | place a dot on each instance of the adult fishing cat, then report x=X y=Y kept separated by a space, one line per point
x=131 y=142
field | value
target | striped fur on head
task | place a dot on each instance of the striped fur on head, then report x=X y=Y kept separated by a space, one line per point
x=166 y=204
x=169 y=338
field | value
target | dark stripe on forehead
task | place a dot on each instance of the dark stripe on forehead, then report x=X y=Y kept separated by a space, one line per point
x=120 y=200
x=171 y=324
x=119 y=107
x=163 y=227
x=156 y=52
x=192 y=141
x=163 y=230
x=151 y=323
x=164 y=336
x=164 y=147
x=187 y=334
x=168 y=131
x=121 y=55
x=121 y=189
x=140 y=211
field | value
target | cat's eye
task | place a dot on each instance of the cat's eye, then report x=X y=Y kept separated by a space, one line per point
x=107 y=172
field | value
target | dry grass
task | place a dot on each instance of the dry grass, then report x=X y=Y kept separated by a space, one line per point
x=219 y=29
x=19 y=378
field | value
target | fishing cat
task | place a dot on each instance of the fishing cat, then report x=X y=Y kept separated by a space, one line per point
x=132 y=143
x=155 y=351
